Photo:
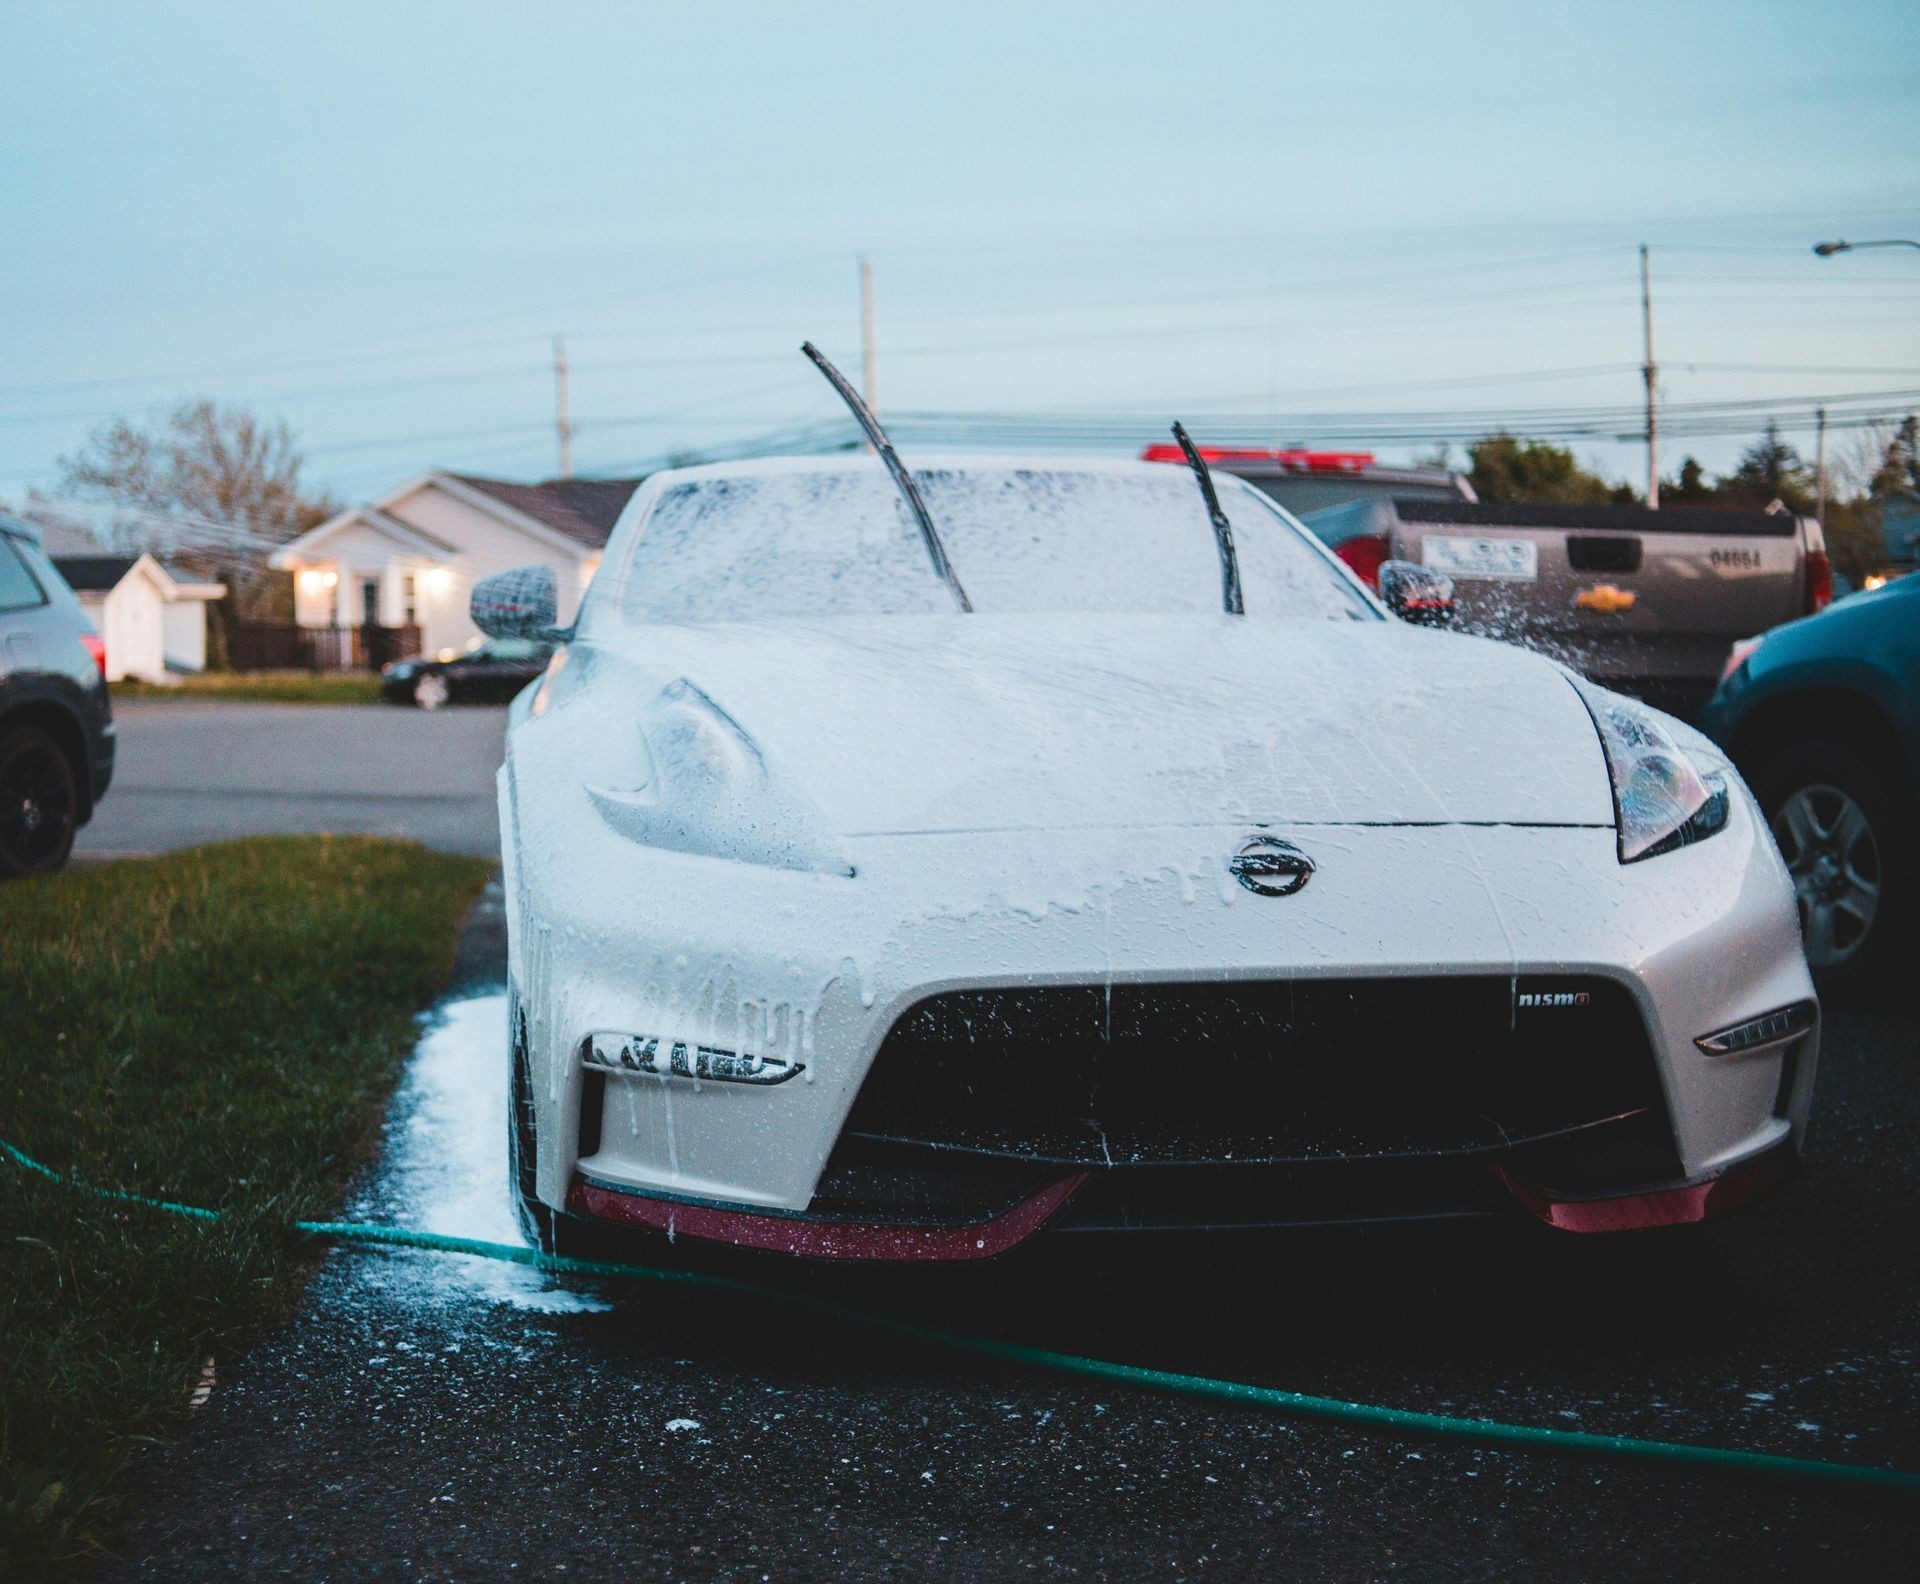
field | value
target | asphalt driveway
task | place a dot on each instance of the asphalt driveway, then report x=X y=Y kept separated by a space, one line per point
x=208 y=770
x=436 y=1417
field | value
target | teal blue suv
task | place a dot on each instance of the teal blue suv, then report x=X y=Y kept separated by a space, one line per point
x=1823 y=718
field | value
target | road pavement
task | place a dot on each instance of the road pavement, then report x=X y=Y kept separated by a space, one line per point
x=430 y=1417
x=191 y=771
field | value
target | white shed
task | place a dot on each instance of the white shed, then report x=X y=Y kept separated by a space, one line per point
x=154 y=620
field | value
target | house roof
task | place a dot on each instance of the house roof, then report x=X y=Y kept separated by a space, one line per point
x=410 y=534
x=291 y=554
x=94 y=574
x=101 y=574
x=565 y=514
x=585 y=510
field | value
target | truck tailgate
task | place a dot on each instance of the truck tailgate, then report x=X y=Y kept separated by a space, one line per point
x=1649 y=599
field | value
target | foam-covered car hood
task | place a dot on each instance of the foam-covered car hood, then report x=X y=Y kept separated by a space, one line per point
x=902 y=724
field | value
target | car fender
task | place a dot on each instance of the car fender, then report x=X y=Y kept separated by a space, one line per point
x=60 y=705
x=1768 y=689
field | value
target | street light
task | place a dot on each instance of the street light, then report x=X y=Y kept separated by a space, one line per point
x=1828 y=249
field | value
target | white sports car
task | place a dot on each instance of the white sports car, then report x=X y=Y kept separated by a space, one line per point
x=882 y=893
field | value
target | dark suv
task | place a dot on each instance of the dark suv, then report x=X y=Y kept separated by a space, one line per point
x=56 y=724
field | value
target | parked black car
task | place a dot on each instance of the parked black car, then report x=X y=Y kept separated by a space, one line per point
x=1823 y=718
x=489 y=674
x=56 y=723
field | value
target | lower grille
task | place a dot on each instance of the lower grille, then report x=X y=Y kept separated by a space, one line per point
x=1261 y=1073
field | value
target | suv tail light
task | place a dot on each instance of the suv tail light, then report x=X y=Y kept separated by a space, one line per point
x=1364 y=554
x=97 y=647
x=1819 y=582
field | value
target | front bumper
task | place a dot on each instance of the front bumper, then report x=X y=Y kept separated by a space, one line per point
x=816 y=970
x=825 y=1235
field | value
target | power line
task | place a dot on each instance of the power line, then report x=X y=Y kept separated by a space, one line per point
x=1445 y=382
x=1081 y=430
x=1597 y=291
x=1693 y=365
x=442 y=437
x=329 y=354
x=415 y=382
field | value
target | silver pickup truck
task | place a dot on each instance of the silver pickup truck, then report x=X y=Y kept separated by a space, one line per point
x=1649 y=602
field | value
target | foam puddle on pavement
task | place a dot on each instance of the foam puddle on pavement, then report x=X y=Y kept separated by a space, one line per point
x=444 y=1167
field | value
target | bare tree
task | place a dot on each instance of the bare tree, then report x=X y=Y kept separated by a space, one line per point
x=211 y=489
x=1879 y=460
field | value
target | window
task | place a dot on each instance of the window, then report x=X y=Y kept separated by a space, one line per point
x=18 y=590
x=409 y=600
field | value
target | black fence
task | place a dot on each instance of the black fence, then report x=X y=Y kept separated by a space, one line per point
x=287 y=646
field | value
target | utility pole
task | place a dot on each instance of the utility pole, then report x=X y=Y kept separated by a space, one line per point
x=1820 y=469
x=1653 y=393
x=866 y=335
x=563 y=411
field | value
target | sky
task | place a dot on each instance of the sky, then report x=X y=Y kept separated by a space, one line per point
x=1357 y=224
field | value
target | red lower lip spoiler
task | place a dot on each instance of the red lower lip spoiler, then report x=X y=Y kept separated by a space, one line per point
x=817 y=1239
x=814 y=1238
x=1662 y=1207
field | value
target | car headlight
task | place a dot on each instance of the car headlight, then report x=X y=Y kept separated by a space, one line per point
x=1670 y=785
x=704 y=787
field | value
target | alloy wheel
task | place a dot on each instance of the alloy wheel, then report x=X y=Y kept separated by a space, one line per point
x=38 y=806
x=1834 y=858
x=430 y=692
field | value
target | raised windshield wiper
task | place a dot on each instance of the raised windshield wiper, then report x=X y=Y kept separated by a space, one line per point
x=936 y=551
x=1230 y=600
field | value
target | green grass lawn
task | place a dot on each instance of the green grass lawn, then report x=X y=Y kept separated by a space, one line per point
x=221 y=1026
x=269 y=687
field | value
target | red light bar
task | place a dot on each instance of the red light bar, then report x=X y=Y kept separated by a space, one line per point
x=1293 y=461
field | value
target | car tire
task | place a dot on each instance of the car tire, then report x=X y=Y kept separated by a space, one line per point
x=431 y=691
x=536 y=1220
x=39 y=803
x=1848 y=842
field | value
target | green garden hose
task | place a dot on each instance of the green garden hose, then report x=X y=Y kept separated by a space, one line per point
x=1401 y=1421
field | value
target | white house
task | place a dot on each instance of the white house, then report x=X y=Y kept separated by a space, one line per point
x=411 y=557
x=154 y=619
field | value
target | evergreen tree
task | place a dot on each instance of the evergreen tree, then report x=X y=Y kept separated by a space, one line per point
x=1770 y=470
x=1900 y=467
x=1507 y=469
x=1689 y=487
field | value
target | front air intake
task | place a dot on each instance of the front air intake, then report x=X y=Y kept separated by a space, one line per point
x=1264 y=1071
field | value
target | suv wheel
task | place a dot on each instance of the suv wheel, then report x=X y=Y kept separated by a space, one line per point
x=39 y=803
x=1851 y=856
x=430 y=692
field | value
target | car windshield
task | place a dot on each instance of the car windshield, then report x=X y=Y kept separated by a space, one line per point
x=773 y=545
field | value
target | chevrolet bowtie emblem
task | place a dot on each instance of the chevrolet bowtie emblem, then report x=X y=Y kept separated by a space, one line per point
x=1606 y=599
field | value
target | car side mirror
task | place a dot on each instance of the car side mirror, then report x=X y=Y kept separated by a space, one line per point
x=1417 y=594
x=522 y=603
